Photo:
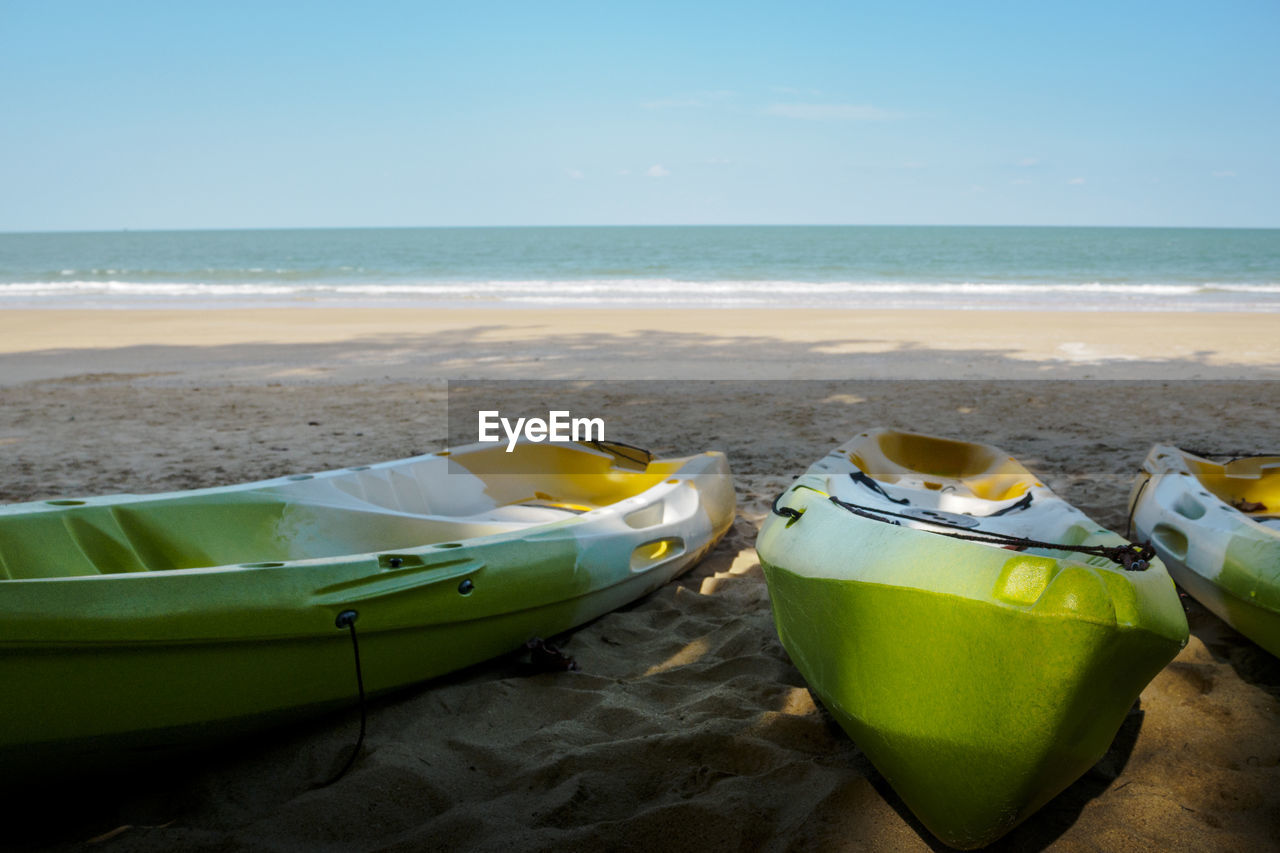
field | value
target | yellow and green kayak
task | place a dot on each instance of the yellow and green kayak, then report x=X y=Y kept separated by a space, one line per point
x=980 y=639
x=1217 y=526
x=150 y=621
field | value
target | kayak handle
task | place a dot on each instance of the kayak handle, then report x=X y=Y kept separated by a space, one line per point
x=790 y=512
x=786 y=511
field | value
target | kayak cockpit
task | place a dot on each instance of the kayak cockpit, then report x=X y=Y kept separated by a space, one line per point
x=956 y=488
x=426 y=500
x=980 y=470
x=1250 y=484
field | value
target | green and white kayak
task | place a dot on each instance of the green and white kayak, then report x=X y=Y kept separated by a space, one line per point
x=1217 y=526
x=980 y=675
x=153 y=621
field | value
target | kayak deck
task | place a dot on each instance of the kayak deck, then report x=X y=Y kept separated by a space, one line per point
x=945 y=486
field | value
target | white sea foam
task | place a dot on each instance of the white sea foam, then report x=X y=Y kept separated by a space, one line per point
x=665 y=291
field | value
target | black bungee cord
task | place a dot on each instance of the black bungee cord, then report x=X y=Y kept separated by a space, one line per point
x=1132 y=557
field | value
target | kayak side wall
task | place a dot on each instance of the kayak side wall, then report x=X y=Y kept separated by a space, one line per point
x=96 y=690
x=971 y=759
x=1259 y=624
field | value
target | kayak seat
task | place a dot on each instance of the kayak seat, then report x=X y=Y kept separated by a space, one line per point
x=978 y=469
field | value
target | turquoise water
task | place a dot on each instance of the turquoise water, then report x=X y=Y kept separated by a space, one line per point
x=773 y=266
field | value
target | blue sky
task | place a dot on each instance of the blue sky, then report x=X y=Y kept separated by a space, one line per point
x=227 y=114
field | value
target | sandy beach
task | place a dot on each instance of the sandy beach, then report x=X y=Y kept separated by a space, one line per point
x=686 y=727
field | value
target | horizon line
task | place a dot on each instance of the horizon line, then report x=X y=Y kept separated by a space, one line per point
x=236 y=228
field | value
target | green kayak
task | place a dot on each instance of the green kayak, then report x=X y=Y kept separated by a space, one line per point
x=1218 y=529
x=152 y=621
x=981 y=675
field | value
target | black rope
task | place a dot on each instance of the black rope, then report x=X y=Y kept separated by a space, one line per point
x=612 y=448
x=1231 y=457
x=347 y=619
x=1133 y=507
x=1020 y=505
x=1134 y=558
x=863 y=480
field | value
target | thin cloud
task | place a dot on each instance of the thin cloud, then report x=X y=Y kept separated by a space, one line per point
x=830 y=112
x=789 y=90
x=672 y=103
x=1028 y=162
x=657 y=171
x=1076 y=181
x=575 y=174
x=693 y=99
x=1223 y=174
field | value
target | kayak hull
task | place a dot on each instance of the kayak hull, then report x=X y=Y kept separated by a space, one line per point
x=971 y=762
x=166 y=694
x=158 y=659
x=1259 y=624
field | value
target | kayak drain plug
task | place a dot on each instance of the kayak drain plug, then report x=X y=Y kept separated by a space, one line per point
x=466 y=586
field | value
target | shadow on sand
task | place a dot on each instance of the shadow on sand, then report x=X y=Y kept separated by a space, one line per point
x=502 y=351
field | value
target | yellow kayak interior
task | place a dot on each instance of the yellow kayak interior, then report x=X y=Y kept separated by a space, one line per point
x=1250 y=484
x=981 y=470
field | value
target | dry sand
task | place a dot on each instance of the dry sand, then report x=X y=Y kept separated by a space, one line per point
x=687 y=727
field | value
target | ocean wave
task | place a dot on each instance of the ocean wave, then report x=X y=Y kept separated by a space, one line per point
x=1191 y=295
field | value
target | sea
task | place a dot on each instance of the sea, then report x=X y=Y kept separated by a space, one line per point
x=846 y=267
